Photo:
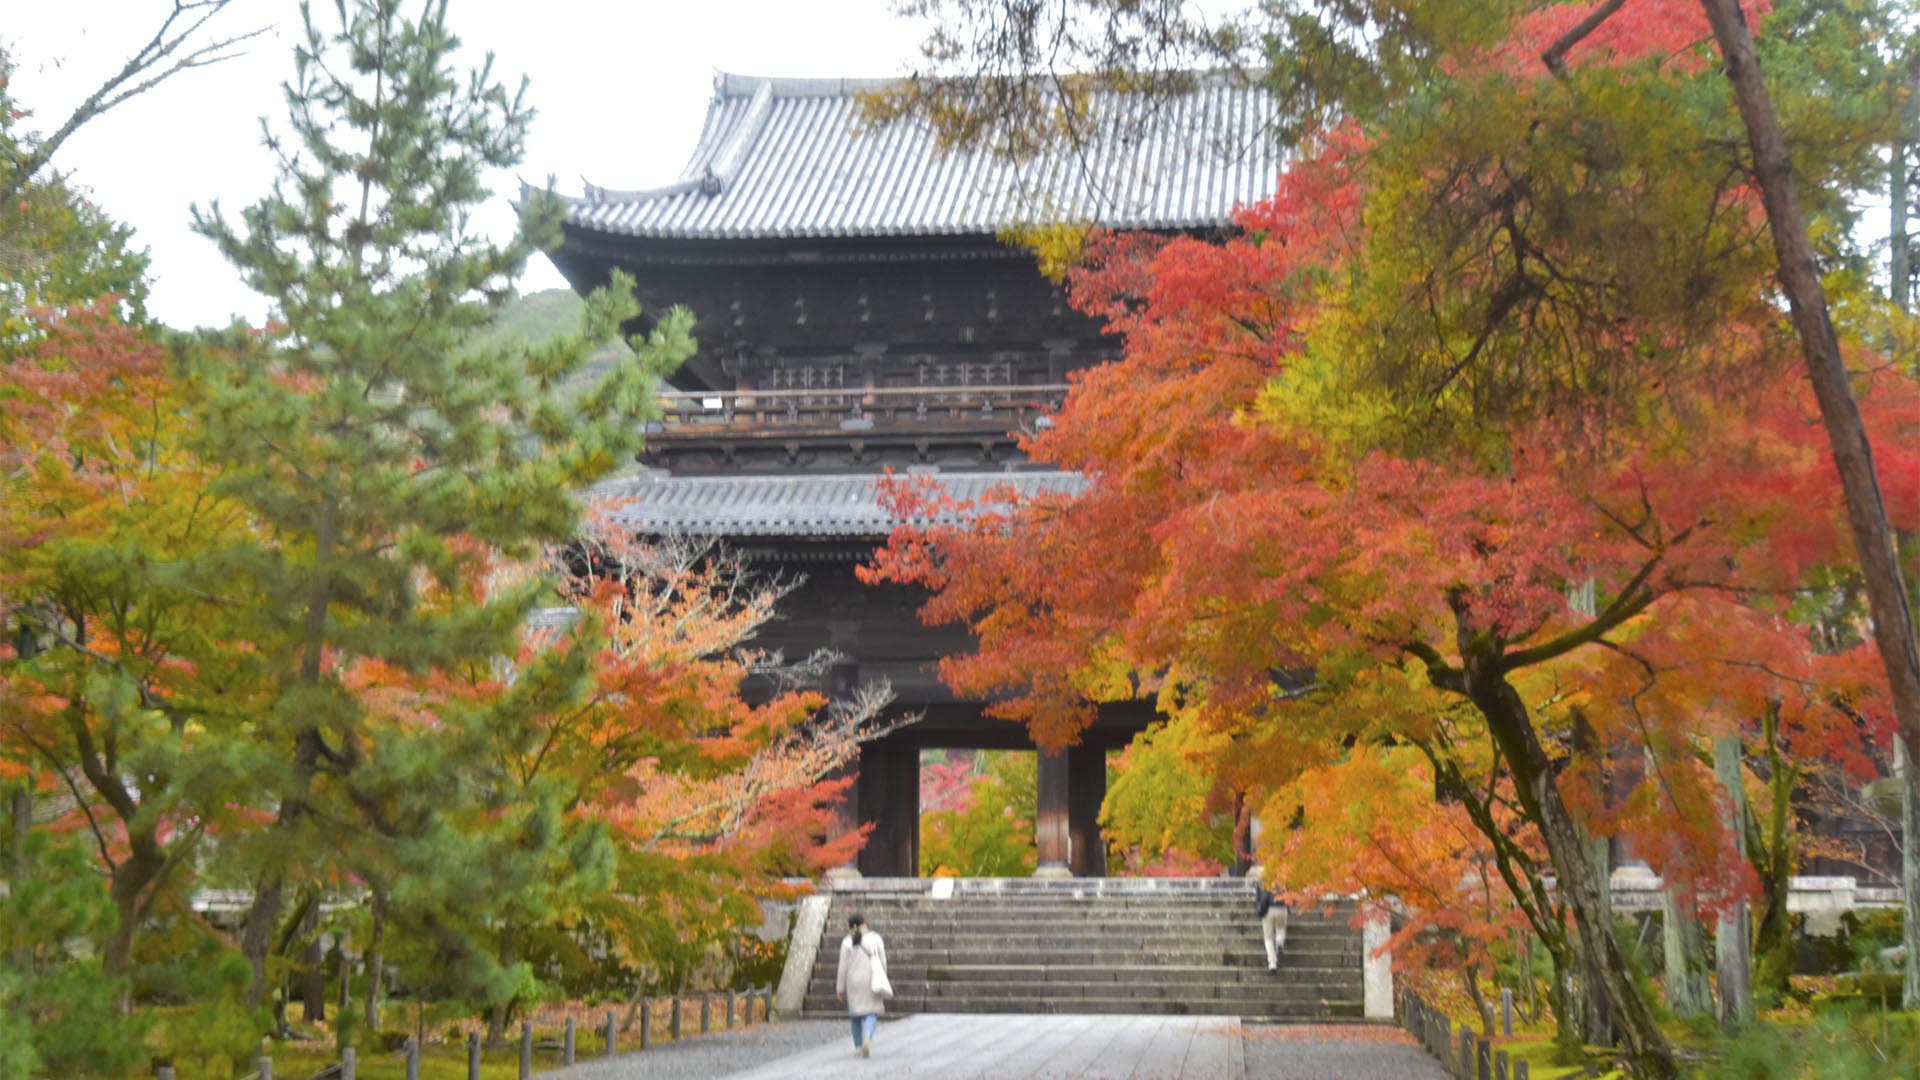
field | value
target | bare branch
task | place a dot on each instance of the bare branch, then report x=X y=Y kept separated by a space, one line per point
x=144 y=70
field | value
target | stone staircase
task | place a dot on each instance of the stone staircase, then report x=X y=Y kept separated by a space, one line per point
x=1093 y=945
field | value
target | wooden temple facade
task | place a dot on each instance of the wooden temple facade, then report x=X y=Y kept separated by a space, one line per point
x=856 y=312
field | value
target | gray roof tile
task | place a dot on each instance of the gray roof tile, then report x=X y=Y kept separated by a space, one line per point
x=791 y=158
x=792 y=506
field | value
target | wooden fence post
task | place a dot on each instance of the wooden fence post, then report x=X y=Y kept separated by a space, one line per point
x=1506 y=1011
x=473 y=1055
x=706 y=1013
x=265 y=1067
x=526 y=1050
x=566 y=1050
x=1499 y=1065
x=610 y=1033
x=1522 y=1070
x=349 y=1064
x=673 y=1019
x=413 y=1055
x=733 y=998
x=646 y=1023
x=1482 y=1059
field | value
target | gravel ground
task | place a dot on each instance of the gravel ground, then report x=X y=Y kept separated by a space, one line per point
x=706 y=1057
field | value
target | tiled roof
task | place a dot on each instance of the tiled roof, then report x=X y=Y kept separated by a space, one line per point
x=817 y=506
x=792 y=158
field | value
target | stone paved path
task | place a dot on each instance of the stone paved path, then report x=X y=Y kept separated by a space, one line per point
x=996 y=1047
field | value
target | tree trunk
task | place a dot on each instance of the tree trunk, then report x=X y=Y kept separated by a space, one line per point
x=1480 y=1003
x=1900 y=268
x=1893 y=629
x=313 y=988
x=1899 y=195
x=1526 y=976
x=262 y=916
x=376 y=962
x=1512 y=727
x=1909 y=777
x=343 y=971
x=1686 y=957
x=1731 y=941
x=497 y=1024
x=1774 y=862
x=1598 y=1018
x=306 y=758
x=128 y=884
x=313 y=973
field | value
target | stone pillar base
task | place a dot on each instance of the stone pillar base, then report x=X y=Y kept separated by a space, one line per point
x=1053 y=872
x=809 y=923
x=1376 y=966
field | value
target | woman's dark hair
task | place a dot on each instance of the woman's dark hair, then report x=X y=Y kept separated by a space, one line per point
x=854 y=922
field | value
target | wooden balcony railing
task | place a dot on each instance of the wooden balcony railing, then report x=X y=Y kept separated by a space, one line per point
x=852 y=409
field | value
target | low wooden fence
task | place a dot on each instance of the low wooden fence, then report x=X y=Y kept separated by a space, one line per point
x=1465 y=1055
x=714 y=1011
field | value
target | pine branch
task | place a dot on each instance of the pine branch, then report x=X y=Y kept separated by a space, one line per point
x=1556 y=55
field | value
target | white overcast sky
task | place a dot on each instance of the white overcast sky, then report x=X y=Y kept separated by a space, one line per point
x=621 y=87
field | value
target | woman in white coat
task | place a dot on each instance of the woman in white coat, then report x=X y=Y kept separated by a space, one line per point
x=861 y=953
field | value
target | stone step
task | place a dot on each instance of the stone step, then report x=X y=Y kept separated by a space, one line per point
x=1075 y=893
x=997 y=975
x=932 y=950
x=1100 y=915
x=1250 y=1007
x=1013 y=921
x=1068 y=904
x=1277 y=989
x=1088 y=917
x=1115 y=958
x=1228 y=965
x=1169 y=946
x=1069 y=936
x=1111 y=886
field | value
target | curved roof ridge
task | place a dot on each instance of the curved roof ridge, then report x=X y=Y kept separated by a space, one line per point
x=789 y=158
x=727 y=84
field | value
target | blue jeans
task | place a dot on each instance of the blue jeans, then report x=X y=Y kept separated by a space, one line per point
x=863 y=1027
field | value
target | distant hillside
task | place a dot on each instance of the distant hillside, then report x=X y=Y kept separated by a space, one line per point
x=550 y=313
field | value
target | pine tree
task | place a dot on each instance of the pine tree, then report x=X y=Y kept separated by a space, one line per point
x=384 y=453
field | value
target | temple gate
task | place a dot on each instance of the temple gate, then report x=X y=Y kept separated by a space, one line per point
x=858 y=312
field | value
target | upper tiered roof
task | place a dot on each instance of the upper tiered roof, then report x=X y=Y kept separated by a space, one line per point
x=794 y=158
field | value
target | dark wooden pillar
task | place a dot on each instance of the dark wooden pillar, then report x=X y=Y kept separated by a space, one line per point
x=1086 y=790
x=1051 y=830
x=889 y=799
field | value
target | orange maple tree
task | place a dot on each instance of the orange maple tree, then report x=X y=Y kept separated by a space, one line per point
x=1275 y=532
